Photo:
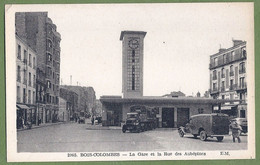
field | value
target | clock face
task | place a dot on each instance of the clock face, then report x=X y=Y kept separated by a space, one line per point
x=133 y=44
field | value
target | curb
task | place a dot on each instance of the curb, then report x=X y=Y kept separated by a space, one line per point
x=47 y=125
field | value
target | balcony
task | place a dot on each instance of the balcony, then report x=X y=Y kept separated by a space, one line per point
x=18 y=78
x=242 y=71
x=227 y=60
x=233 y=87
x=242 y=86
x=214 y=90
x=231 y=73
x=222 y=75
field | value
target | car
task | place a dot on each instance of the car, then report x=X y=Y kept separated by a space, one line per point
x=241 y=122
x=206 y=125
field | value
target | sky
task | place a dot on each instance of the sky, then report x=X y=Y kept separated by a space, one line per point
x=179 y=41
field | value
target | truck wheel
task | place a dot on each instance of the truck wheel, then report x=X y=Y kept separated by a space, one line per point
x=181 y=133
x=220 y=138
x=203 y=135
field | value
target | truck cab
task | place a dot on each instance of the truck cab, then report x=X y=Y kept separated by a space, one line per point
x=132 y=122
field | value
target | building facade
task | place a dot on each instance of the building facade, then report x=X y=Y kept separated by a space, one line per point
x=173 y=110
x=39 y=32
x=228 y=78
x=68 y=104
x=86 y=98
x=25 y=83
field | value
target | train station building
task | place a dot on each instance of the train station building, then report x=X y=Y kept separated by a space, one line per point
x=171 y=111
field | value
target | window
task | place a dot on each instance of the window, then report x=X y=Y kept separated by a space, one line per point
x=243 y=50
x=231 y=84
x=232 y=55
x=30 y=80
x=214 y=86
x=34 y=62
x=18 y=73
x=33 y=100
x=231 y=70
x=224 y=58
x=222 y=73
x=223 y=86
x=24 y=95
x=48 y=84
x=242 y=68
x=25 y=56
x=30 y=60
x=223 y=97
x=49 y=44
x=242 y=82
x=18 y=94
x=19 y=52
x=215 y=61
x=49 y=57
x=29 y=96
x=242 y=113
x=214 y=75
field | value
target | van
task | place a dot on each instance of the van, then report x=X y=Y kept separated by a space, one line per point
x=207 y=125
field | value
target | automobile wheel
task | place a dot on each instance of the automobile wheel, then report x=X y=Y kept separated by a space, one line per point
x=203 y=136
x=181 y=133
x=220 y=138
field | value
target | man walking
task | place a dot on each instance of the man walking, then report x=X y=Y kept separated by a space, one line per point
x=236 y=130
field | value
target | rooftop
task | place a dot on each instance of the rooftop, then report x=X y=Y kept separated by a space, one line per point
x=130 y=32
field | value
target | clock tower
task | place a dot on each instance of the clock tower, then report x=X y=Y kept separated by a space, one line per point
x=132 y=69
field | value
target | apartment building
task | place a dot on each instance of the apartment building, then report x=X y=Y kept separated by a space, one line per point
x=25 y=83
x=38 y=30
x=228 y=78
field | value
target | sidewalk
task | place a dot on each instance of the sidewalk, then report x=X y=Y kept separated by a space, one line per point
x=41 y=125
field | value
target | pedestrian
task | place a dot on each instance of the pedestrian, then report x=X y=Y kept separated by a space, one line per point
x=236 y=130
x=92 y=120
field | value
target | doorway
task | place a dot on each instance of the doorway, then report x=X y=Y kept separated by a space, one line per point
x=167 y=117
x=183 y=116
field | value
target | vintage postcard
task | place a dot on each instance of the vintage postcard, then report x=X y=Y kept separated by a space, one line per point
x=108 y=82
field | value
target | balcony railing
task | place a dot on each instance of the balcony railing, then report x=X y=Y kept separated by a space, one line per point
x=227 y=60
x=19 y=78
x=231 y=73
x=233 y=87
x=222 y=75
x=242 y=86
x=242 y=71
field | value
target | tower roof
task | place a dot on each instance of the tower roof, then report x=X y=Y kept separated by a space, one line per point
x=131 y=32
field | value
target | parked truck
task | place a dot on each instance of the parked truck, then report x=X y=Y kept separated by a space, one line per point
x=140 y=118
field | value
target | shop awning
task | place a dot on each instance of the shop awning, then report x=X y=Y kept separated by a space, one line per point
x=21 y=106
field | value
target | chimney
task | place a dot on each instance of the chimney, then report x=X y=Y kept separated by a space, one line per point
x=221 y=50
x=236 y=42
